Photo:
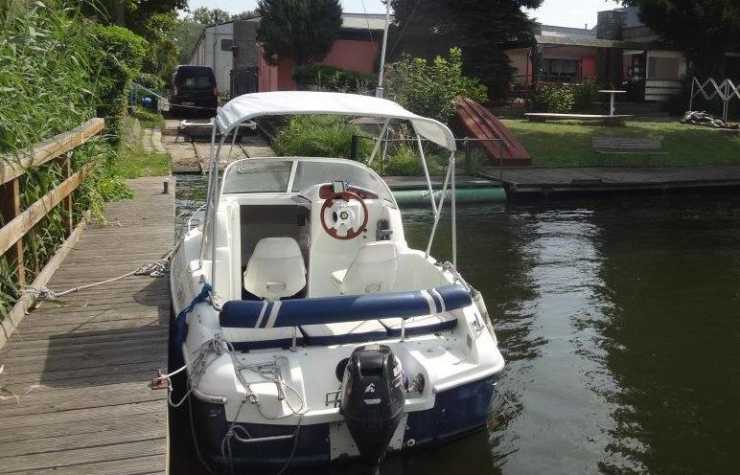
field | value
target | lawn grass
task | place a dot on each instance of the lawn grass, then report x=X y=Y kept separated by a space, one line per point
x=132 y=160
x=568 y=144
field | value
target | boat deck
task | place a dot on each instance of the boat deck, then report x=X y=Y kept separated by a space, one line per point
x=73 y=389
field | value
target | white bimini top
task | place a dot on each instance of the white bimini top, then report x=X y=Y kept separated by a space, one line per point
x=250 y=106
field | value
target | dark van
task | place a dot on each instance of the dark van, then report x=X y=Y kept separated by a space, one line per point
x=194 y=91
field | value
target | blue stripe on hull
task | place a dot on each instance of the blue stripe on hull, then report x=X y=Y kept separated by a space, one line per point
x=457 y=412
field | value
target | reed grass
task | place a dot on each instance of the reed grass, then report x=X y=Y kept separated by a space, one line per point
x=54 y=75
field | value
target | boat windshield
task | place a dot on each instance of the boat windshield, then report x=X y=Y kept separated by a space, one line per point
x=273 y=176
x=258 y=176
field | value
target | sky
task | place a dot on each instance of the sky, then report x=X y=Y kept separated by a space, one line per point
x=573 y=13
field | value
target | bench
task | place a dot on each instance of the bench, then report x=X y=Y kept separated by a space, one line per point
x=617 y=119
x=625 y=145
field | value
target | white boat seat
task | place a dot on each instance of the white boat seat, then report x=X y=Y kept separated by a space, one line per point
x=276 y=269
x=374 y=270
x=420 y=325
x=342 y=333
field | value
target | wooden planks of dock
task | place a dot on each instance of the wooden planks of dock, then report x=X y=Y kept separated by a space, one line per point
x=74 y=394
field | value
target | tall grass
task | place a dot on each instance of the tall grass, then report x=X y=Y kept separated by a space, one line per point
x=319 y=136
x=55 y=73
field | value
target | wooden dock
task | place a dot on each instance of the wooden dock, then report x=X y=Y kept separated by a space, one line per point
x=523 y=183
x=74 y=394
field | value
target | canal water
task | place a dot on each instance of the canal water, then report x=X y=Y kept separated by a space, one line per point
x=620 y=322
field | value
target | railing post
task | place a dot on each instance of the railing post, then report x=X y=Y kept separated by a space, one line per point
x=69 y=203
x=10 y=206
x=353 y=152
x=468 y=157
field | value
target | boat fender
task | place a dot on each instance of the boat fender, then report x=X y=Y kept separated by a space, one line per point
x=181 y=321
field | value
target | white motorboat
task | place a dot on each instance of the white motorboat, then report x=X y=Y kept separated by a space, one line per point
x=309 y=330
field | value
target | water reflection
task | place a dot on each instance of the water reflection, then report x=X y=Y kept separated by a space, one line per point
x=672 y=333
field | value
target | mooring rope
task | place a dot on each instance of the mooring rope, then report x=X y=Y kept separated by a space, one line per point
x=155 y=269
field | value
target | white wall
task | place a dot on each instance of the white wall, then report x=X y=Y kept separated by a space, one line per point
x=208 y=52
x=661 y=88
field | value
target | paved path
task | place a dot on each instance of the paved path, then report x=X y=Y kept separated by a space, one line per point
x=74 y=396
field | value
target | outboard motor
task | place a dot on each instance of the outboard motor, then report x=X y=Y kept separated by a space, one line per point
x=372 y=399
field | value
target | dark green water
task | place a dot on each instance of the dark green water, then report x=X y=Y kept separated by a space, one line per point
x=620 y=323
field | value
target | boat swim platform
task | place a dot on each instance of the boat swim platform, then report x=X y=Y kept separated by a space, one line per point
x=533 y=183
x=74 y=395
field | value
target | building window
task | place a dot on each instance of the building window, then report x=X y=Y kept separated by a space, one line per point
x=226 y=44
x=665 y=69
x=560 y=70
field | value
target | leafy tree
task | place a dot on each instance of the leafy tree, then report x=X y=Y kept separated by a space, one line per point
x=129 y=13
x=300 y=29
x=703 y=29
x=430 y=88
x=207 y=16
x=482 y=29
x=185 y=35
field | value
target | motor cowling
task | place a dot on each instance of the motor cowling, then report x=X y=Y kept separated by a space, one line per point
x=372 y=399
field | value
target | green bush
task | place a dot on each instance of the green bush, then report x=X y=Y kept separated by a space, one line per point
x=404 y=160
x=57 y=70
x=430 y=89
x=121 y=54
x=553 y=98
x=329 y=78
x=319 y=136
x=585 y=96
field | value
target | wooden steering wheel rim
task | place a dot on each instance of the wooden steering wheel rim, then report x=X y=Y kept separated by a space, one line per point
x=346 y=196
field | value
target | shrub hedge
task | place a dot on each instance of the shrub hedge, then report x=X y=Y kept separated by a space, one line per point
x=319 y=136
x=57 y=70
x=329 y=78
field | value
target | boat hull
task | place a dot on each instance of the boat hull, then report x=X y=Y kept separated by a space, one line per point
x=456 y=413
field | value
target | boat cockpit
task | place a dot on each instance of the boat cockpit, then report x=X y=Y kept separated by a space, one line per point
x=306 y=228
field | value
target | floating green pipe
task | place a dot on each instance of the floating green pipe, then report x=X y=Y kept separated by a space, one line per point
x=463 y=195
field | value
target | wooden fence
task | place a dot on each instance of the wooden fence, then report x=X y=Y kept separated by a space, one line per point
x=19 y=222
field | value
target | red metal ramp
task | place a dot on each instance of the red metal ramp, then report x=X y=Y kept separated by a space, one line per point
x=496 y=139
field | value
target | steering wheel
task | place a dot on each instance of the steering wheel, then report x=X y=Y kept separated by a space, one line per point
x=343 y=217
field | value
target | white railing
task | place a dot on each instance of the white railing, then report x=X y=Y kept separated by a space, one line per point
x=709 y=89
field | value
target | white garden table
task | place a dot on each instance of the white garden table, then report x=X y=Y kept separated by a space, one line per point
x=612 y=94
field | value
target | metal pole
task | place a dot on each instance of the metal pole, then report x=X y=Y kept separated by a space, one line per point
x=379 y=89
x=454 y=212
x=691 y=99
x=439 y=213
x=426 y=173
x=377 y=144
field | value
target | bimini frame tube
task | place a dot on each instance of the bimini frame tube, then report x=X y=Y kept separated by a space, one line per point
x=426 y=173
x=440 y=207
x=209 y=192
x=216 y=196
x=381 y=139
x=454 y=210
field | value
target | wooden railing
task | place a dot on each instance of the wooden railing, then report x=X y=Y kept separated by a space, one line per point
x=19 y=222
